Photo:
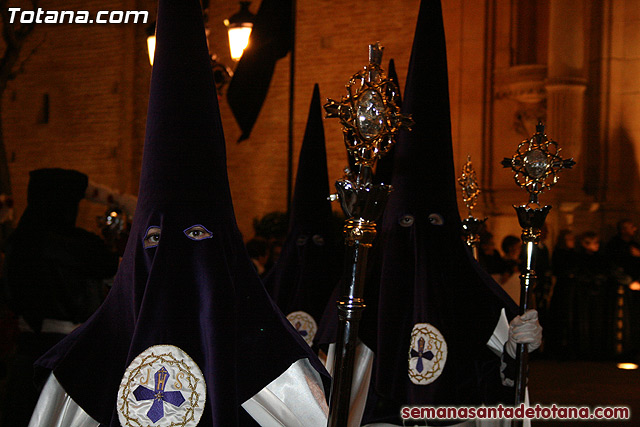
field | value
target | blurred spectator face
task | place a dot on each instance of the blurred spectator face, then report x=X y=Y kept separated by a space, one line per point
x=514 y=251
x=628 y=229
x=591 y=245
x=570 y=241
x=511 y=246
x=566 y=240
x=275 y=252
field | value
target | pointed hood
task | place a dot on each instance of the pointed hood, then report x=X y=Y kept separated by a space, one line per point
x=384 y=167
x=310 y=264
x=186 y=283
x=310 y=206
x=436 y=309
x=184 y=138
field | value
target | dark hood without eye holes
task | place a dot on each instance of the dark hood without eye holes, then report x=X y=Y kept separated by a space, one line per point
x=53 y=196
x=202 y=296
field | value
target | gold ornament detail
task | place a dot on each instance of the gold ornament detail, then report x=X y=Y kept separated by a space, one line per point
x=537 y=163
x=359 y=231
x=469 y=183
x=369 y=113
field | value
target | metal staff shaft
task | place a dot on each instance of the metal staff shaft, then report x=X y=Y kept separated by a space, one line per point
x=528 y=280
x=531 y=220
x=535 y=165
x=363 y=202
x=371 y=118
x=350 y=307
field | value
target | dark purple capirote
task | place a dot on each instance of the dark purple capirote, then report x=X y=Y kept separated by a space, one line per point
x=310 y=263
x=427 y=274
x=420 y=270
x=202 y=296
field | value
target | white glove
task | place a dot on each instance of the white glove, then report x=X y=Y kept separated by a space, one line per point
x=524 y=329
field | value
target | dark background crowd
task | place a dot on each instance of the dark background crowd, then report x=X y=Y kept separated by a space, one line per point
x=587 y=293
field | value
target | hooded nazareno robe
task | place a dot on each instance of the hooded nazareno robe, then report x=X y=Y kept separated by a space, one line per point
x=188 y=331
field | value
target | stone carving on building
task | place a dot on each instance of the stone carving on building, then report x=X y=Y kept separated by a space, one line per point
x=524 y=84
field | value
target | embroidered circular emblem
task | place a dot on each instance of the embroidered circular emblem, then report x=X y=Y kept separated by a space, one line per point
x=164 y=387
x=427 y=354
x=304 y=324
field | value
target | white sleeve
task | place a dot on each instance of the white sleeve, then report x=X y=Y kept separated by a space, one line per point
x=56 y=408
x=362 y=367
x=294 y=399
x=500 y=334
x=496 y=344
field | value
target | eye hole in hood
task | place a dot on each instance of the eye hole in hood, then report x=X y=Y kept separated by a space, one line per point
x=318 y=240
x=198 y=232
x=436 y=219
x=406 y=220
x=151 y=237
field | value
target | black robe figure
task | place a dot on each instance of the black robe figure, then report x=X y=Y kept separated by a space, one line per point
x=187 y=334
x=560 y=341
x=53 y=277
x=431 y=310
x=310 y=264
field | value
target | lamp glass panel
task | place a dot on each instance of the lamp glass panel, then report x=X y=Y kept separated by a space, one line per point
x=151 y=47
x=238 y=41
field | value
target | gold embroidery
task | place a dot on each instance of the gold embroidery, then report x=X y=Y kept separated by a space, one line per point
x=146 y=380
x=146 y=363
x=178 y=384
x=437 y=344
x=303 y=321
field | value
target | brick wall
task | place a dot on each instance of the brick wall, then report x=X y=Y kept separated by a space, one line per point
x=96 y=78
x=331 y=45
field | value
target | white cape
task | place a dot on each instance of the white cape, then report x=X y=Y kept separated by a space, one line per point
x=294 y=399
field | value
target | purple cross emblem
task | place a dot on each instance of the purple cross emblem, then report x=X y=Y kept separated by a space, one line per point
x=158 y=395
x=301 y=331
x=420 y=354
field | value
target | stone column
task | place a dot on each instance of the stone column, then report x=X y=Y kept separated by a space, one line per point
x=566 y=82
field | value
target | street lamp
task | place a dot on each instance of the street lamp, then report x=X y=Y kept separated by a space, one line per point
x=239 y=26
x=151 y=41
